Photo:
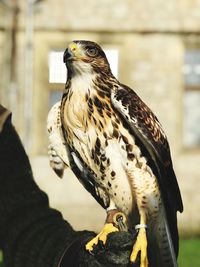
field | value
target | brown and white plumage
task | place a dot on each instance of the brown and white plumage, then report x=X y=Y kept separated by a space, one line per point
x=119 y=151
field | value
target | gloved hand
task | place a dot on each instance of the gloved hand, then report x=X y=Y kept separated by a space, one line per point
x=116 y=252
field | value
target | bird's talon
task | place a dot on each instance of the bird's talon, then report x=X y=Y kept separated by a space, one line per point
x=140 y=246
x=90 y=245
x=102 y=236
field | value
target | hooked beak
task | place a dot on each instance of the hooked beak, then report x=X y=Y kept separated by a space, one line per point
x=70 y=52
x=68 y=55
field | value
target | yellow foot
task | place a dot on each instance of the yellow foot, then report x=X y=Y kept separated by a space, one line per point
x=107 y=229
x=140 y=246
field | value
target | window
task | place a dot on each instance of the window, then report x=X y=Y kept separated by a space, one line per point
x=57 y=76
x=191 y=125
x=112 y=56
x=57 y=69
x=54 y=96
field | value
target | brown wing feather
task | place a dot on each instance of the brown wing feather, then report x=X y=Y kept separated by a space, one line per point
x=148 y=129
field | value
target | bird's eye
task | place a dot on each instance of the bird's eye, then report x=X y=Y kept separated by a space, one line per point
x=91 y=51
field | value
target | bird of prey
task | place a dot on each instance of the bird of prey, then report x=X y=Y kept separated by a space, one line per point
x=117 y=148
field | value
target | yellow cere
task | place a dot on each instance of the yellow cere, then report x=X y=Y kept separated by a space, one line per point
x=73 y=46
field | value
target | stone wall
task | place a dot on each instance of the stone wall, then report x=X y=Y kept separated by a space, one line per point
x=117 y=15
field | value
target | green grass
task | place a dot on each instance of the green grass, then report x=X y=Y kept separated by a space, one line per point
x=189 y=253
x=1 y=259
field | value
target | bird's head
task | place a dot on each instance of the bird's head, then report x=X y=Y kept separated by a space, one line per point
x=83 y=57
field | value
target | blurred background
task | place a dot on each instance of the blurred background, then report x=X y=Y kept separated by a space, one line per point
x=152 y=45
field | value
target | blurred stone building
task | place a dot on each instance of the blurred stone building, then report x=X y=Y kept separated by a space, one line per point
x=154 y=46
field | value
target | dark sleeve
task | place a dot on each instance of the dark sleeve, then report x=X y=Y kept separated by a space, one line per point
x=31 y=233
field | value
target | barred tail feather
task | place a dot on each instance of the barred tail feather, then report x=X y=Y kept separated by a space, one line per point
x=161 y=248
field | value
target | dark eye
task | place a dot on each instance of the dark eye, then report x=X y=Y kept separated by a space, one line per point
x=91 y=51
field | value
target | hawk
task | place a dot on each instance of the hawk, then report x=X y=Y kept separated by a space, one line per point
x=117 y=148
